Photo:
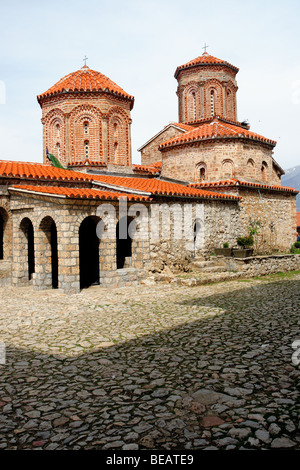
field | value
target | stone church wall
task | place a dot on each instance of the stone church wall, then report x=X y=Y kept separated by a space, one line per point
x=221 y=160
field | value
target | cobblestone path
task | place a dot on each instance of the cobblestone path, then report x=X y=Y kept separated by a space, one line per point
x=151 y=367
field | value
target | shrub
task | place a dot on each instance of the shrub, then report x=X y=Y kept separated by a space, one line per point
x=245 y=241
x=226 y=245
x=297 y=244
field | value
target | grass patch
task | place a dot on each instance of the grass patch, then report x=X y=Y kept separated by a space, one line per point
x=280 y=275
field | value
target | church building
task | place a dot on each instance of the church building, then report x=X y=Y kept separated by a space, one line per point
x=87 y=215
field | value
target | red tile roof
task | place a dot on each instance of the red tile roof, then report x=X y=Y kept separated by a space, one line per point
x=78 y=193
x=159 y=187
x=204 y=59
x=153 y=169
x=39 y=171
x=85 y=79
x=87 y=162
x=298 y=219
x=152 y=186
x=216 y=129
x=183 y=126
x=234 y=182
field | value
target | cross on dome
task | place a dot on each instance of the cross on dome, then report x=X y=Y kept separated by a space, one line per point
x=205 y=47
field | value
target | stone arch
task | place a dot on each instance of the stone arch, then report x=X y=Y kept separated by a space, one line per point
x=123 y=242
x=5 y=234
x=264 y=171
x=213 y=98
x=86 y=125
x=250 y=168
x=89 y=256
x=191 y=96
x=27 y=248
x=47 y=253
x=227 y=168
x=197 y=229
x=118 y=137
x=201 y=172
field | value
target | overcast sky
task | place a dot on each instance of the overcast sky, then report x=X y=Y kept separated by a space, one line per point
x=138 y=45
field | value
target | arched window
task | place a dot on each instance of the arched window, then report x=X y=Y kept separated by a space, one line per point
x=250 y=168
x=116 y=141
x=227 y=168
x=115 y=149
x=58 y=150
x=86 y=149
x=202 y=174
x=212 y=103
x=58 y=131
x=264 y=168
x=194 y=104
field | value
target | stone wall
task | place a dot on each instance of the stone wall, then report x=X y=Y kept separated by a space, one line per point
x=150 y=153
x=263 y=265
x=221 y=160
x=276 y=211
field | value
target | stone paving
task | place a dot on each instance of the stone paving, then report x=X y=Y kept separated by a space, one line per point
x=151 y=367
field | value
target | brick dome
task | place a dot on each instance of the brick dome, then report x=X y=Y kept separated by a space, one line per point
x=205 y=59
x=85 y=80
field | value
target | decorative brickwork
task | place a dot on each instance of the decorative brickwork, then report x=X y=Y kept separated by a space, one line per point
x=206 y=88
x=87 y=123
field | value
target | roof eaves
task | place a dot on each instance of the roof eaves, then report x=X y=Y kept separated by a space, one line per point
x=40 y=193
x=123 y=189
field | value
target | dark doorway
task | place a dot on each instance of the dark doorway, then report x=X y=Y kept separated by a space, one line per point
x=54 y=255
x=89 y=253
x=31 y=258
x=27 y=228
x=1 y=236
x=197 y=227
x=124 y=245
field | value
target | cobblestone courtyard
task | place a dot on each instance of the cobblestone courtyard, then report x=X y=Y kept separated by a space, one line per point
x=151 y=367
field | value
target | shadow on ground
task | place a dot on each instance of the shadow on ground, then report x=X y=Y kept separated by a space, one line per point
x=142 y=391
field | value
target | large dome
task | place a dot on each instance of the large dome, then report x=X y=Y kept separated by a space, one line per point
x=85 y=80
x=205 y=59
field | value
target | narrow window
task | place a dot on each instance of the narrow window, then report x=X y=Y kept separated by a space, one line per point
x=202 y=174
x=212 y=102
x=86 y=149
x=194 y=104
x=58 y=130
x=58 y=150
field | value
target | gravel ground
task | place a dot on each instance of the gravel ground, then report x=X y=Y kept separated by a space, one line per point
x=151 y=367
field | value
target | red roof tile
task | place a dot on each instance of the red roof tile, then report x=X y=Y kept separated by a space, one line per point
x=153 y=169
x=79 y=193
x=159 y=187
x=85 y=79
x=216 y=129
x=234 y=182
x=205 y=59
x=39 y=171
x=87 y=162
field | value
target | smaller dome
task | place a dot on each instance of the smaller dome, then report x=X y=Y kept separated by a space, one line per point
x=85 y=80
x=205 y=59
